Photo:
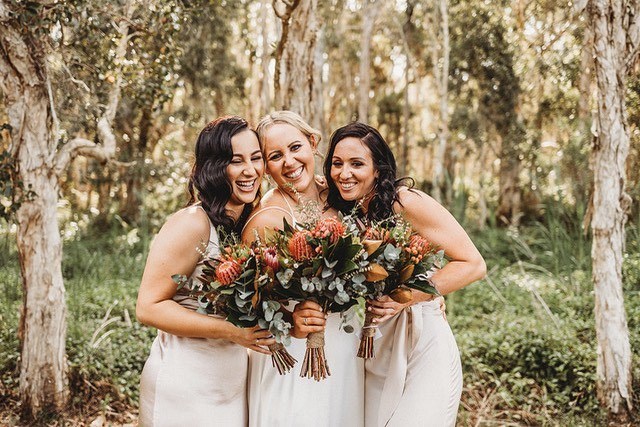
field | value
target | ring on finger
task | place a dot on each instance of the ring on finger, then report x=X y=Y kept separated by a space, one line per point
x=257 y=340
x=305 y=321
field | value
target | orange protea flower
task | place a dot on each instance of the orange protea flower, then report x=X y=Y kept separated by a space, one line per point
x=332 y=228
x=299 y=248
x=270 y=256
x=418 y=248
x=227 y=272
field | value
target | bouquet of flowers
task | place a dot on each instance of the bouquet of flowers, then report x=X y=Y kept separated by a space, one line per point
x=319 y=258
x=399 y=260
x=237 y=284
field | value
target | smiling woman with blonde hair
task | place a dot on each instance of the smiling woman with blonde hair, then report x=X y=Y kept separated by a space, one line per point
x=289 y=145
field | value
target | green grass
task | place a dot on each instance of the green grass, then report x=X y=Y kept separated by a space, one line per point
x=526 y=333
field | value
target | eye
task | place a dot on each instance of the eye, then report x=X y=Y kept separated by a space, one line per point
x=275 y=156
x=357 y=164
x=236 y=161
x=296 y=147
x=336 y=163
x=256 y=158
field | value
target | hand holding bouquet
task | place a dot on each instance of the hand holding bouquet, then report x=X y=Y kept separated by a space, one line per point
x=237 y=284
x=318 y=258
x=399 y=260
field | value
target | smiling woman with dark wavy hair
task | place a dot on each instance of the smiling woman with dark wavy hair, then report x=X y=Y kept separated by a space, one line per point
x=419 y=380
x=197 y=369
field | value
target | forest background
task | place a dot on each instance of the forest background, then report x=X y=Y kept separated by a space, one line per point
x=495 y=108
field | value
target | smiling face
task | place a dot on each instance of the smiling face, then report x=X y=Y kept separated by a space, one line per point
x=352 y=169
x=289 y=157
x=245 y=170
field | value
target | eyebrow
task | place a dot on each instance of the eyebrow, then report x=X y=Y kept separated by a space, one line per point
x=255 y=152
x=297 y=141
x=362 y=159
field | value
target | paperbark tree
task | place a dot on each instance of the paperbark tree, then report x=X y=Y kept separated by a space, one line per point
x=24 y=79
x=616 y=31
x=295 y=79
x=370 y=11
x=440 y=59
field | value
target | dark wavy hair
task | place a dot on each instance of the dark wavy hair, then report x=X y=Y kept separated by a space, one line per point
x=208 y=182
x=386 y=185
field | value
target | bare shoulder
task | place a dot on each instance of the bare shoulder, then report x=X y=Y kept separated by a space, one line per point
x=270 y=216
x=411 y=200
x=189 y=224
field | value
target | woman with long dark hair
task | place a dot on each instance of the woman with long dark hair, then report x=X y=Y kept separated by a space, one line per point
x=416 y=378
x=197 y=371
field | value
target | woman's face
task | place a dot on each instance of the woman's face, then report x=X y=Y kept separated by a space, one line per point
x=289 y=157
x=246 y=168
x=352 y=169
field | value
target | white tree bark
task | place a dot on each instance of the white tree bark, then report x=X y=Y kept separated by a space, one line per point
x=294 y=78
x=616 y=34
x=25 y=86
x=440 y=59
x=370 y=11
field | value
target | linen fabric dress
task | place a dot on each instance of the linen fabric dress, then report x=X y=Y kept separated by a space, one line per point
x=416 y=377
x=194 y=381
x=289 y=400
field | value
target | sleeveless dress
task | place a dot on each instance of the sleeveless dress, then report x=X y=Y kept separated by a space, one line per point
x=416 y=377
x=288 y=400
x=194 y=381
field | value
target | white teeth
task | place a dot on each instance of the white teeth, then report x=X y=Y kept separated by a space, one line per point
x=294 y=174
x=347 y=185
x=246 y=185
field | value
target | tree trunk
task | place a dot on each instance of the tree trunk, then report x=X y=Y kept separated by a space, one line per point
x=509 y=198
x=369 y=13
x=23 y=79
x=440 y=59
x=615 y=32
x=294 y=78
x=265 y=58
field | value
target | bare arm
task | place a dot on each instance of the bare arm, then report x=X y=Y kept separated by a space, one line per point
x=432 y=221
x=173 y=251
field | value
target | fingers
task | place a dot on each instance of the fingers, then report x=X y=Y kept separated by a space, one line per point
x=382 y=312
x=309 y=314
x=383 y=304
x=308 y=305
x=259 y=349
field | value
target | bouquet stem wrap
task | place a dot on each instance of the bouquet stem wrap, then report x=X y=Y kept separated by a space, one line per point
x=315 y=364
x=281 y=359
x=366 y=350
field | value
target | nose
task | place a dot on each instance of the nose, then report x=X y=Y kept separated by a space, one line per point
x=345 y=172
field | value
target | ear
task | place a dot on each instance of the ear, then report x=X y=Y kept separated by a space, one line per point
x=313 y=141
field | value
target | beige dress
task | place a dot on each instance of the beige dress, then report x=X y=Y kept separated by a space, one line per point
x=194 y=381
x=288 y=400
x=416 y=377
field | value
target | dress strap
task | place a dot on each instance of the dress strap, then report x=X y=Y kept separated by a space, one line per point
x=255 y=214
x=213 y=233
x=284 y=196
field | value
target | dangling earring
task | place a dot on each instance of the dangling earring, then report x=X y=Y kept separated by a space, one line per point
x=267 y=178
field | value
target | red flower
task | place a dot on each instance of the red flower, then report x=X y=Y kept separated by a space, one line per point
x=331 y=228
x=227 y=272
x=270 y=256
x=299 y=248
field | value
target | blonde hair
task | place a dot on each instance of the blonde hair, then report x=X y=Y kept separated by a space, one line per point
x=289 y=118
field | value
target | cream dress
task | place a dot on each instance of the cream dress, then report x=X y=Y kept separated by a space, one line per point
x=289 y=400
x=416 y=377
x=194 y=381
